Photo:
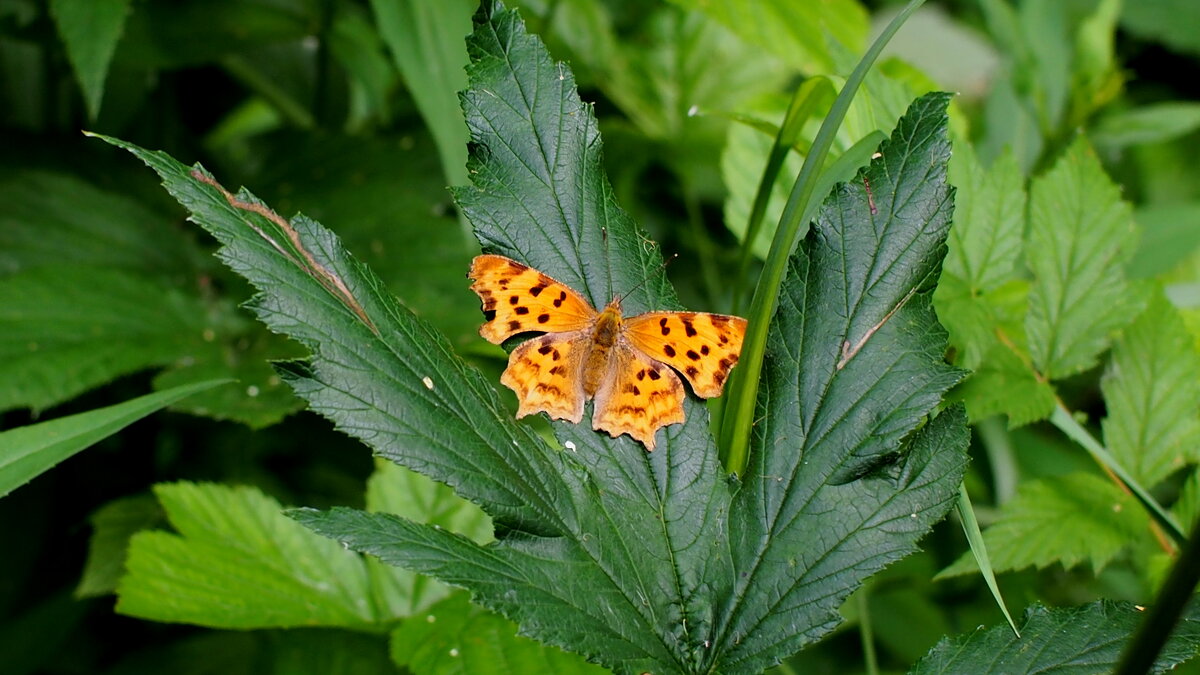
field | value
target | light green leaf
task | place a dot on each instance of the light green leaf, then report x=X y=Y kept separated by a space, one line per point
x=1152 y=393
x=1004 y=384
x=426 y=41
x=1170 y=233
x=26 y=452
x=1187 y=507
x=90 y=30
x=1082 y=640
x=1154 y=123
x=989 y=220
x=1080 y=238
x=396 y=490
x=458 y=638
x=1072 y=519
x=112 y=526
x=66 y=329
x=238 y=562
x=1171 y=22
x=799 y=33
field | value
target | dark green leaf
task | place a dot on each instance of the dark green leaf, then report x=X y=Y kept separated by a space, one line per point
x=1086 y=639
x=51 y=219
x=90 y=30
x=112 y=526
x=65 y=329
x=854 y=365
x=26 y=452
x=455 y=637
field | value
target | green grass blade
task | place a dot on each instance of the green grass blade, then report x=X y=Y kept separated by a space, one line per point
x=29 y=451
x=975 y=538
x=804 y=103
x=743 y=389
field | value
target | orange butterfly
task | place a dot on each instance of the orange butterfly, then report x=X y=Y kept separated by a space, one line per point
x=621 y=362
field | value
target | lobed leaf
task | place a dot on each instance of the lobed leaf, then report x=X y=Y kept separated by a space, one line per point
x=1080 y=237
x=237 y=562
x=838 y=486
x=1151 y=391
x=1083 y=640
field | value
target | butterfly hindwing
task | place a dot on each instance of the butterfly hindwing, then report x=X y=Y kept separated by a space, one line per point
x=520 y=299
x=638 y=397
x=544 y=372
x=702 y=347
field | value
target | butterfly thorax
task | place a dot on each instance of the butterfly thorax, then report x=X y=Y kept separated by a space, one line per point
x=605 y=332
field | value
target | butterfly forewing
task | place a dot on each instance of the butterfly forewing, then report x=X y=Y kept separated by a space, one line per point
x=702 y=347
x=520 y=299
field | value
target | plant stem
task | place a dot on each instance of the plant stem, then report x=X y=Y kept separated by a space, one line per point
x=865 y=633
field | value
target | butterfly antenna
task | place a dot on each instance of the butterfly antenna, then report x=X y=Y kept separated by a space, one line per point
x=670 y=259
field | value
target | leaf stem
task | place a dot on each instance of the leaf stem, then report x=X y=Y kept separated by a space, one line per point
x=865 y=633
x=1061 y=418
x=998 y=446
x=739 y=415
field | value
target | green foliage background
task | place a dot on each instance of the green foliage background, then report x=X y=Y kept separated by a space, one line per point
x=1069 y=290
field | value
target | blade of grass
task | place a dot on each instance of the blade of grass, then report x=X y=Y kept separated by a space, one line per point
x=1062 y=419
x=805 y=101
x=27 y=452
x=966 y=514
x=739 y=414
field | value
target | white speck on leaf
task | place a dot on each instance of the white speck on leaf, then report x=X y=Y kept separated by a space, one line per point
x=431 y=618
x=454 y=651
x=252 y=391
x=693 y=111
x=428 y=382
x=570 y=445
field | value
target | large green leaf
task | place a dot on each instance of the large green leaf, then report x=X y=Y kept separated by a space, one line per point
x=836 y=488
x=26 y=452
x=1083 y=640
x=1081 y=235
x=640 y=561
x=808 y=35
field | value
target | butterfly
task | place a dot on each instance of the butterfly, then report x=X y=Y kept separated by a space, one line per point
x=628 y=365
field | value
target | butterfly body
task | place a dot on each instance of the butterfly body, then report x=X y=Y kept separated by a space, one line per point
x=624 y=364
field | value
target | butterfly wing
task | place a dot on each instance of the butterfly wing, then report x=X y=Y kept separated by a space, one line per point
x=518 y=299
x=637 y=397
x=702 y=347
x=545 y=374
